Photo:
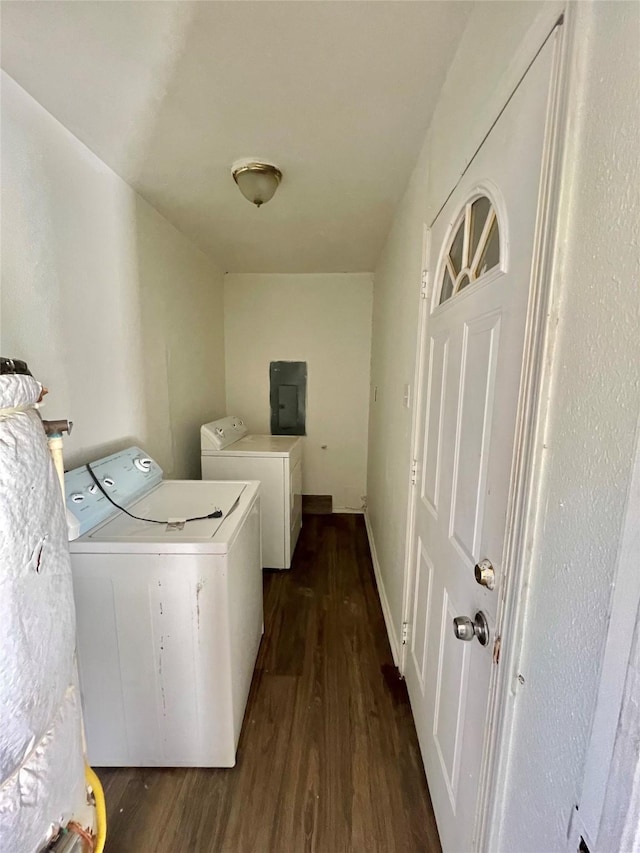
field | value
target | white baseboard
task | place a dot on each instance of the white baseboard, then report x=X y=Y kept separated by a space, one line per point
x=348 y=509
x=386 y=611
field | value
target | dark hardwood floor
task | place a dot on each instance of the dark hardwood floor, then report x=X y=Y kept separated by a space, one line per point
x=328 y=759
x=317 y=504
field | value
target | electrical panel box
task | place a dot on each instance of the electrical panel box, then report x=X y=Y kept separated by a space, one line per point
x=288 y=397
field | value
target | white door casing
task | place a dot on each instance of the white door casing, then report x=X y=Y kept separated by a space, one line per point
x=471 y=367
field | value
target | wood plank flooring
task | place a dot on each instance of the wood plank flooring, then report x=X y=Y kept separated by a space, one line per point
x=317 y=504
x=328 y=760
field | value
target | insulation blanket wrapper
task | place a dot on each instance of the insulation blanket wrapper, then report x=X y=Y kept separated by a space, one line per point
x=41 y=761
x=49 y=788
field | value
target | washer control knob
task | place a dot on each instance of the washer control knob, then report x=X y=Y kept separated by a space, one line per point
x=108 y=482
x=142 y=463
x=77 y=498
x=92 y=489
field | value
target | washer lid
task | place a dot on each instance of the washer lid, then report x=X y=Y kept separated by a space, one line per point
x=174 y=501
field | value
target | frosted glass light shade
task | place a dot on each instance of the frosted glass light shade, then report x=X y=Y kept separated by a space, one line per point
x=257 y=181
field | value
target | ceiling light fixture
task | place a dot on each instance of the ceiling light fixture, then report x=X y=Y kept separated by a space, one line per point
x=257 y=181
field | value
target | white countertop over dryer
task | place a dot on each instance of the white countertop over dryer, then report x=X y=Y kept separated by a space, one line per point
x=259 y=445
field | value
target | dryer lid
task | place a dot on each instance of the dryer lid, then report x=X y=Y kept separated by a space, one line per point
x=262 y=445
x=221 y=433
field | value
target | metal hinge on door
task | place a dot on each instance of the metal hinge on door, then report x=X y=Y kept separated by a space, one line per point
x=405 y=633
x=424 y=289
x=414 y=472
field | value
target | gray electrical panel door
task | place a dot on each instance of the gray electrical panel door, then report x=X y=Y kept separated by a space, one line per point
x=288 y=397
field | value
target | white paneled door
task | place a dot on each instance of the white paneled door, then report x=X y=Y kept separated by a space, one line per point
x=482 y=248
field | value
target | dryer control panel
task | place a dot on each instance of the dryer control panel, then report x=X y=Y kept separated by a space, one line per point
x=221 y=433
x=125 y=476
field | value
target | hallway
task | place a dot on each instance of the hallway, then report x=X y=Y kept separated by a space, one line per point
x=328 y=759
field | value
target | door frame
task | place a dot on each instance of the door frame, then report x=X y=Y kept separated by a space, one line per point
x=532 y=405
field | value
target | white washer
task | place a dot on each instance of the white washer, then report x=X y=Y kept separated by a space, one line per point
x=169 y=617
x=228 y=453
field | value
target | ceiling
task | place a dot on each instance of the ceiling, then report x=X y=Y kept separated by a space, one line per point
x=169 y=94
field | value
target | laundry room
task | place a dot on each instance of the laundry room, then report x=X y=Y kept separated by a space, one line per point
x=151 y=326
x=230 y=232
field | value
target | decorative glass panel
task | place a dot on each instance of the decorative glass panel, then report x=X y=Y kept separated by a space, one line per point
x=474 y=249
x=491 y=254
x=447 y=286
x=455 y=252
x=464 y=281
x=479 y=212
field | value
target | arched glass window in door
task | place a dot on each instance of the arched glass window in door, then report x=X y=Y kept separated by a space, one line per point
x=474 y=248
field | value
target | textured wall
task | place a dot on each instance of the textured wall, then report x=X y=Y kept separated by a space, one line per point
x=589 y=436
x=324 y=320
x=620 y=827
x=114 y=310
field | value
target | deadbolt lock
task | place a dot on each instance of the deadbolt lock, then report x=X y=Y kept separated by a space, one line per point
x=485 y=574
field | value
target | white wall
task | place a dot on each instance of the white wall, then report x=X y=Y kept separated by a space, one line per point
x=114 y=310
x=620 y=824
x=393 y=353
x=476 y=87
x=610 y=795
x=590 y=434
x=324 y=320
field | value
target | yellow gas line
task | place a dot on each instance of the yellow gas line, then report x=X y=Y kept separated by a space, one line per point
x=101 y=809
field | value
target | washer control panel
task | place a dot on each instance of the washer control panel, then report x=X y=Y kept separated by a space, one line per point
x=125 y=477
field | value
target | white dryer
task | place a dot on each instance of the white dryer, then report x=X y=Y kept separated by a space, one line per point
x=169 y=615
x=228 y=453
